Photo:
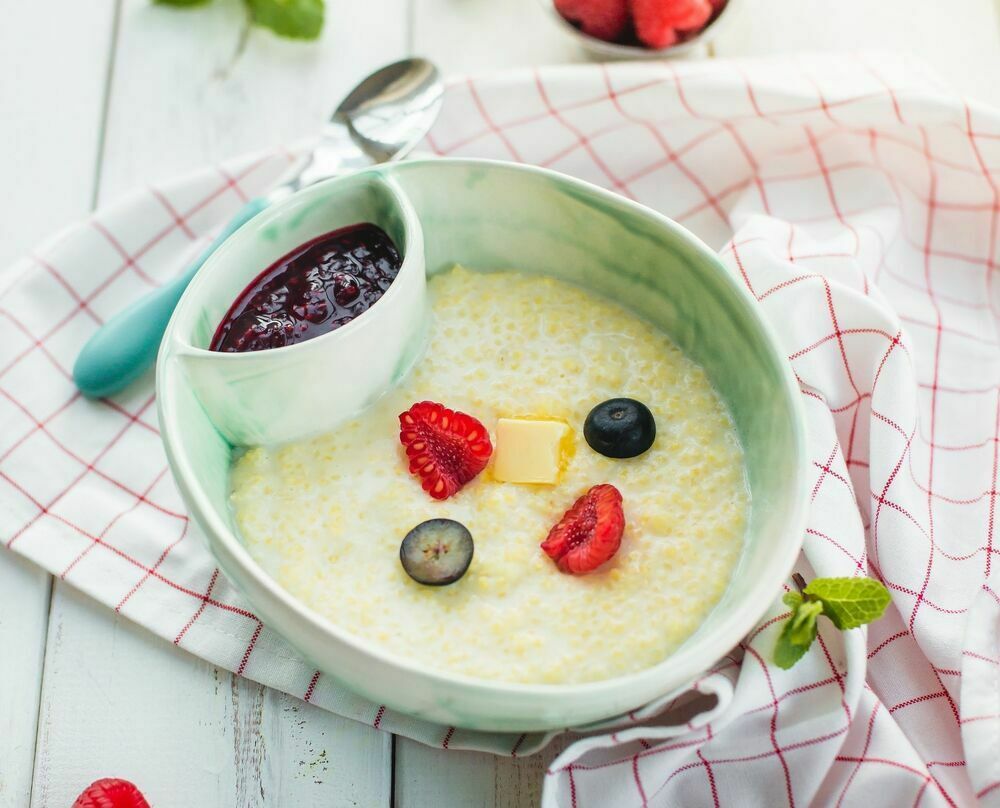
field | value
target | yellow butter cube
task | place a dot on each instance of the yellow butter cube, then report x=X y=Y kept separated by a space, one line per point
x=529 y=450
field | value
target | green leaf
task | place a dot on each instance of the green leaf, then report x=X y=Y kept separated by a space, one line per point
x=786 y=654
x=299 y=19
x=792 y=600
x=797 y=635
x=802 y=623
x=849 y=602
x=182 y=2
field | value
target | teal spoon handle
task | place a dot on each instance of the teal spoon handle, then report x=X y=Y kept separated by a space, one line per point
x=126 y=345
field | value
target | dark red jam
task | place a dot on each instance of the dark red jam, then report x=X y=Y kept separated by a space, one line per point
x=316 y=288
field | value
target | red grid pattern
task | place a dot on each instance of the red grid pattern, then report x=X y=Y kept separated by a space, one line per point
x=861 y=213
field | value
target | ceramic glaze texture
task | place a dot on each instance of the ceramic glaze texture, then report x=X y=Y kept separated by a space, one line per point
x=325 y=516
x=495 y=216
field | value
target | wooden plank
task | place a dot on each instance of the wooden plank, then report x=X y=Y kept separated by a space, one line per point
x=52 y=96
x=188 y=88
x=426 y=776
x=117 y=701
x=960 y=40
x=52 y=109
x=473 y=37
x=24 y=613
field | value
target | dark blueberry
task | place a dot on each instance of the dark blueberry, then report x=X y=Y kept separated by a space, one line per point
x=312 y=306
x=437 y=552
x=256 y=332
x=316 y=279
x=345 y=289
x=270 y=302
x=620 y=427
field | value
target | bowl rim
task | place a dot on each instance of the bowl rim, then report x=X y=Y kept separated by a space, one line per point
x=693 y=661
x=411 y=226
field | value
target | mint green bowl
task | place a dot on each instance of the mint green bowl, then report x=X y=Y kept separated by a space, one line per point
x=485 y=215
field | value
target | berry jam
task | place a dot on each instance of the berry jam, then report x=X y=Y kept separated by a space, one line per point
x=316 y=288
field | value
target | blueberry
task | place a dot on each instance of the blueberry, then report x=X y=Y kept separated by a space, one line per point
x=437 y=552
x=311 y=306
x=620 y=427
x=345 y=289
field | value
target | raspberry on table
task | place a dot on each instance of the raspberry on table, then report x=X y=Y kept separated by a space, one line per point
x=111 y=792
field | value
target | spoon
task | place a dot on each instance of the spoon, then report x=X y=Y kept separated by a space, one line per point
x=380 y=120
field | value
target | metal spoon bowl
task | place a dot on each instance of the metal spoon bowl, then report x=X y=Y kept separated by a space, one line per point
x=381 y=119
x=391 y=110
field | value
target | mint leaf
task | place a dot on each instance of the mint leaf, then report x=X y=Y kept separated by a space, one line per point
x=849 y=602
x=802 y=624
x=182 y=2
x=797 y=635
x=299 y=19
x=786 y=653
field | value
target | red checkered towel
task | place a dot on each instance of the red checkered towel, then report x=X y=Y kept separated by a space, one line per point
x=859 y=201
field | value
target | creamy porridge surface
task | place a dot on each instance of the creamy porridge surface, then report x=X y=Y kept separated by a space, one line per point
x=325 y=516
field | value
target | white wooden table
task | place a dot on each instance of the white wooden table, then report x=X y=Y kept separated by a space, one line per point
x=98 y=96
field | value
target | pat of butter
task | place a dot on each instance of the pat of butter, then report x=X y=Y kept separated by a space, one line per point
x=529 y=450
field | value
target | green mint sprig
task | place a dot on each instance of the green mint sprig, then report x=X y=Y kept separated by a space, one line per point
x=298 y=19
x=847 y=602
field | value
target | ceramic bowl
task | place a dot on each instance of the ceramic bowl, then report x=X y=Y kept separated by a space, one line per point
x=491 y=215
x=255 y=398
x=600 y=49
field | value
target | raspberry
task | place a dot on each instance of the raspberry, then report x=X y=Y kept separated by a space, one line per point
x=604 y=19
x=589 y=533
x=658 y=22
x=446 y=448
x=111 y=792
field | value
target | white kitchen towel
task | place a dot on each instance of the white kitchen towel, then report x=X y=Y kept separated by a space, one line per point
x=859 y=201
